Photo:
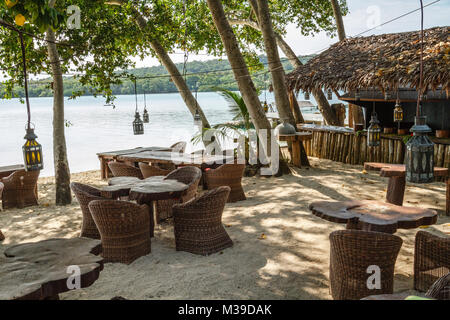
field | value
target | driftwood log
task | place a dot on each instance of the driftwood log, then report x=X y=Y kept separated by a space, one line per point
x=373 y=215
x=39 y=270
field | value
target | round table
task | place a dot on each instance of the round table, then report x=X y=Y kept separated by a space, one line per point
x=397 y=179
x=145 y=191
x=373 y=215
x=41 y=270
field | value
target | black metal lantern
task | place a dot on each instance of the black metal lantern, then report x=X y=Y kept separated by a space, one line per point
x=306 y=95
x=265 y=106
x=32 y=152
x=373 y=132
x=398 y=112
x=329 y=94
x=420 y=149
x=138 y=124
x=145 y=115
x=198 y=123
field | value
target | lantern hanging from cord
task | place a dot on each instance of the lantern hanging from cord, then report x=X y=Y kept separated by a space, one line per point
x=374 y=130
x=265 y=105
x=138 y=125
x=306 y=95
x=398 y=110
x=420 y=149
x=198 y=123
x=329 y=94
x=32 y=150
x=145 y=115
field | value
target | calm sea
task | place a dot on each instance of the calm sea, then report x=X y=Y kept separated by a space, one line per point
x=95 y=127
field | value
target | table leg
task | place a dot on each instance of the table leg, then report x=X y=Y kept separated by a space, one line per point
x=396 y=190
x=296 y=154
x=152 y=218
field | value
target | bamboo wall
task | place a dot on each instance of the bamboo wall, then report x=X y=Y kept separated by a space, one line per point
x=346 y=146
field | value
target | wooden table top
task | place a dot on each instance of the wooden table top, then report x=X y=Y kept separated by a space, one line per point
x=373 y=215
x=11 y=168
x=175 y=157
x=153 y=188
x=398 y=170
x=130 y=151
x=40 y=269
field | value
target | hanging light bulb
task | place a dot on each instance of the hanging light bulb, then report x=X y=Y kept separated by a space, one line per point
x=374 y=130
x=32 y=150
x=419 y=158
x=138 y=124
x=398 y=111
x=306 y=95
x=329 y=94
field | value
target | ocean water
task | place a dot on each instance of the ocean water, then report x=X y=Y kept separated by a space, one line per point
x=95 y=127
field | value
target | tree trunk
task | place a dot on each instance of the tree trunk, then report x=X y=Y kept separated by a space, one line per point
x=170 y=66
x=240 y=70
x=61 y=164
x=275 y=67
x=357 y=110
x=324 y=106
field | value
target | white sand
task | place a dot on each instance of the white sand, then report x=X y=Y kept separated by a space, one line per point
x=291 y=262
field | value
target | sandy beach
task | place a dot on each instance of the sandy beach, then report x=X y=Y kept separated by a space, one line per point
x=281 y=250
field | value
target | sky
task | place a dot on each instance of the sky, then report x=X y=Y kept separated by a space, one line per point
x=363 y=15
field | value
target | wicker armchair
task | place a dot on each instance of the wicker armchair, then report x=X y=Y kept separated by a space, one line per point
x=85 y=194
x=151 y=171
x=120 y=169
x=198 y=223
x=352 y=252
x=431 y=259
x=440 y=290
x=227 y=175
x=20 y=189
x=187 y=175
x=124 y=228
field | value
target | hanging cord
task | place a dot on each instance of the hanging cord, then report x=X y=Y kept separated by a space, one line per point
x=135 y=94
x=186 y=53
x=419 y=98
x=145 y=101
x=25 y=79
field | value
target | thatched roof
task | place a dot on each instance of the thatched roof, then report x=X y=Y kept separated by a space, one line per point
x=384 y=61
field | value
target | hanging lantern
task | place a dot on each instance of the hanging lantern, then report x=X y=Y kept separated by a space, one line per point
x=198 y=120
x=398 y=112
x=420 y=149
x=32 y=152
x=306 y=95
x=387 y=95
x=329 y=94
x=419 y=154
x=357 y=95
x=265 y=107
x=145 y=116
x=138 y=125
x=373 y=132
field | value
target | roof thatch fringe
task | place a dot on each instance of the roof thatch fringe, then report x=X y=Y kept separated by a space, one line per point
x=385 y=61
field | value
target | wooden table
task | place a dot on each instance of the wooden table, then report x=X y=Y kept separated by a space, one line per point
x=296 y=140
x=373 y=215
x=106 y=157
x=397 y=180
x=39 y=270
x=7 y=170
x=175 y=158
x=145 y=191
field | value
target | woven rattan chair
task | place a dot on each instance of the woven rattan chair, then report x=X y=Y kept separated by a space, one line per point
x=227 y=175
x=120 y=169
x=352 y=252
x=85 y=194
x=187 y=175
x=431 y=259
x=151 y=171
x=20 y=189
x=440 y=290
x=198 y=223
x=124 y=228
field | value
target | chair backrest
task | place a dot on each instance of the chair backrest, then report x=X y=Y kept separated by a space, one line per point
x=115 y=217
x=179 y=147
x=151 y=171
x=440 y=289
x=22 y=179
x=120 y=169
x=210 y=203
x=85 y=194
x=186 y=175
x=352 y=253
